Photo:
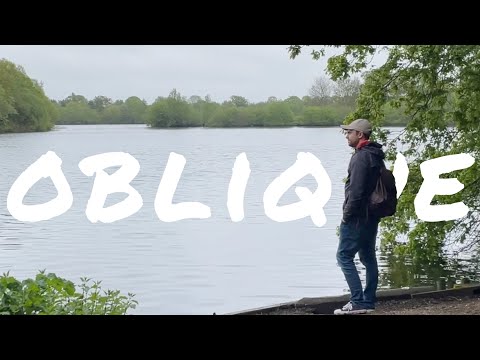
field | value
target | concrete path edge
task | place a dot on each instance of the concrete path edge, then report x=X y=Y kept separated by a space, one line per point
x=327 y=304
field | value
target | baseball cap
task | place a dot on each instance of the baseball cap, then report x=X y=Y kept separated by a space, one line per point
x=362 y=125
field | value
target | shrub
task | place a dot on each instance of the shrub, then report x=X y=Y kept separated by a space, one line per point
x=49 y=294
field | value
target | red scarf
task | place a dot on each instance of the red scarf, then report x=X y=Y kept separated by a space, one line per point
x=362 y=143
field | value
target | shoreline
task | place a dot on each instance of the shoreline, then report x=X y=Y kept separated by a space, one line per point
x=425 y=300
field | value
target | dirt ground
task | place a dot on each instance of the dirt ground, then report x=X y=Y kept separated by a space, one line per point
x=465 y=305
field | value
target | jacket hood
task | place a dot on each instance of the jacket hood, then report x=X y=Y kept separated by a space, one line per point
x=375 y=149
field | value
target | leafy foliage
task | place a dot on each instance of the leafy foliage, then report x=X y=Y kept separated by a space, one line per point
x=49 y=294
x=23 y=104
x=438 y=88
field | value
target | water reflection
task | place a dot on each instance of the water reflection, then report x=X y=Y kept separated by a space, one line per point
x=442 y=272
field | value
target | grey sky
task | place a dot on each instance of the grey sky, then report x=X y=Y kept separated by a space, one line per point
x=254 y=72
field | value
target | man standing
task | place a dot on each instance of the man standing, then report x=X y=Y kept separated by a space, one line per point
x=358 y=229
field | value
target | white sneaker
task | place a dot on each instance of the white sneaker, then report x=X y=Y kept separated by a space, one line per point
x=351 y=309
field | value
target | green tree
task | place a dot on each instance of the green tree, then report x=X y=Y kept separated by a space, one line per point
x=229 y=116
x=295 y=104
x=278 y=114
x=7 y=107
x=203 y=109
x=238 y=101
x=23 y=103
x=74 y=98
x=115 y=114
x=135 y=109
x=194 y=99
x=77 y=113
x=309 y=101
x=319 y=116
x=257 y=115
x=99 y=103
x=438 y=88
x=173 y=111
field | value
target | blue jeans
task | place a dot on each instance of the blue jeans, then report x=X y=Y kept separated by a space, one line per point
x=359 y=236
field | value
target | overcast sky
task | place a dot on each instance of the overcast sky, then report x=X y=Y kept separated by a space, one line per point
x=118 y=72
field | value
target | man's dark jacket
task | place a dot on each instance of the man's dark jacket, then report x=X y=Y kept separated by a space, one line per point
x=363 y=173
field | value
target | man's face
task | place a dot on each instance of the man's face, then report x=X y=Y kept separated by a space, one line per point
x=353 y=137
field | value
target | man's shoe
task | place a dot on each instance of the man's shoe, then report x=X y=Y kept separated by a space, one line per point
x=352 y=309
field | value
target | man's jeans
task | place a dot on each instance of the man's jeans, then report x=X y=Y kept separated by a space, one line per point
x=359 y=236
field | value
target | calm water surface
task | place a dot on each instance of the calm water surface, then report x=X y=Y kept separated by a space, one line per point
x=190 y=266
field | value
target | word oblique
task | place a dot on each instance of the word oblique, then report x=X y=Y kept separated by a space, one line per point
x=310 y=204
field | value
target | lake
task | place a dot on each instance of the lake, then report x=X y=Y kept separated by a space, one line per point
x=190 y=266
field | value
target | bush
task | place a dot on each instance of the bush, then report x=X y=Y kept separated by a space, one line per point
x=49 y=294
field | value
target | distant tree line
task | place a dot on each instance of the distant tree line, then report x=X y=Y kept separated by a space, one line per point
x=24 y=107
x=327 y=104
x=77 y=109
